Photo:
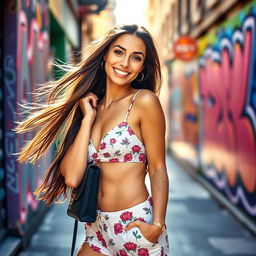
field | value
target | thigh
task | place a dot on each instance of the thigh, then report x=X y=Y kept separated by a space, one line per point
x=86 y=250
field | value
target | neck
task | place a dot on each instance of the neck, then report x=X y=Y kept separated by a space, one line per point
x=115 y=92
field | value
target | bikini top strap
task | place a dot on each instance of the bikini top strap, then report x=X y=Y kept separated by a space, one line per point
x=130 y=107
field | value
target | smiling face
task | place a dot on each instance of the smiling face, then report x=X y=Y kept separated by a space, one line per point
x=125 y=59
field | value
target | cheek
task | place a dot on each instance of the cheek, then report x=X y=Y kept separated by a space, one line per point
x=112 y=59
x=109 y=63
x=137 y=68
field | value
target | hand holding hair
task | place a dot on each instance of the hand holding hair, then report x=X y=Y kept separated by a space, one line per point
x=88 y=105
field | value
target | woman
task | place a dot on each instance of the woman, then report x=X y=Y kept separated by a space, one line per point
x=108 y=113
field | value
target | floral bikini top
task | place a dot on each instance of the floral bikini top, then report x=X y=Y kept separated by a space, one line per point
x=120 y=144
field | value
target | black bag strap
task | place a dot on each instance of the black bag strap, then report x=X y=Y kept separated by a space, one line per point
x=74 y=237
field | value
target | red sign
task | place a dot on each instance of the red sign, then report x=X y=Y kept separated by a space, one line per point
x=185 y=48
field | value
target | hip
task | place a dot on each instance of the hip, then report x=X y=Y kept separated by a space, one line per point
x=107 y=233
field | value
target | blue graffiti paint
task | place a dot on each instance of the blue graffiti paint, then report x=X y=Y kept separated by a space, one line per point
x=10 y=138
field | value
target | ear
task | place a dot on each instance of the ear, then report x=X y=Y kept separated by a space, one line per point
x=142 y=68
x=105 y=57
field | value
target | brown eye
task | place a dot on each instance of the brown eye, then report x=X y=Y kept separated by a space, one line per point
x=118 y=52
x=138 y=58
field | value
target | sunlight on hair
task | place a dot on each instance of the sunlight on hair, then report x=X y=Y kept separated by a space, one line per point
x=131 y=12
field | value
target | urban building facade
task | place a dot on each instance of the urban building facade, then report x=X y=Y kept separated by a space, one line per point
x=210 y=100
x=96 y=25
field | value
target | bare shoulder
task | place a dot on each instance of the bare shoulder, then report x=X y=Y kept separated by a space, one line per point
x=147 y=98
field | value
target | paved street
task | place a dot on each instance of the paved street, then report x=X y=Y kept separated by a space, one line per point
x=197 y=225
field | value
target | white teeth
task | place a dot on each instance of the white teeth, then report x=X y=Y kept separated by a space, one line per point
x=121 y=72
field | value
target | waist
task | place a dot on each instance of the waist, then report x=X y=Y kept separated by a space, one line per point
x=120 y=201
x=121 y=185
x=139 y=205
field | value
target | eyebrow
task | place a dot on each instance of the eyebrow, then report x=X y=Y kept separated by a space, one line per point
x=125 y=49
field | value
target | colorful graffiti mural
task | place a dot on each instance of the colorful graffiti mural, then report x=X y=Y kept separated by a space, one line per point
x=32 y=55
x=2 y=174
x=25 y=60
x=213 y=100
x=228 y=90
x=184 y=129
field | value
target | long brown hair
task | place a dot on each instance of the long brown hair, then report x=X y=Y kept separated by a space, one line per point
x=58 y=114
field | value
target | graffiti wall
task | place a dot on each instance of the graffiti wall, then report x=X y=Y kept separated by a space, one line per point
x=228 y=89
x=26 y=46
x=184 y=127
x=213 y=108
x=2 y=176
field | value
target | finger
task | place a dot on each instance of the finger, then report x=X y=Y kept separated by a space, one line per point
x=94 y=95
x=131 y=225
x=94 y=101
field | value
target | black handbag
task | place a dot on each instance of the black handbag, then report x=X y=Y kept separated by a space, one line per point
x=84 y=198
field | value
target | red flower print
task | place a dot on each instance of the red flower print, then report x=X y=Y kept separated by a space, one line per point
x=126 y=216
x=142 y=157
x=143 y=252
x=101 y=239
x=118 y=228
x=122 y=124
x=128 y=157
x=130 y=246
x=94 y=155
x=140 y=219
x=95 y=248
x=117 y=153
x=150 y=200
x=130 y=131
x=89 y=224
x=105 y=227
x=106 y=154
x=113 y=160
x=102 y=145
x=122 y=253
x=99 y=236
x=125 y=141
x=162 y=251
x=136 y=148
x=112 y=141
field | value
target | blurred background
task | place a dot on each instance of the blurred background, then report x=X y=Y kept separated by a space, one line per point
x=208 y=57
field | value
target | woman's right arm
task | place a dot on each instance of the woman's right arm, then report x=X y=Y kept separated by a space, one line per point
x=73 y=164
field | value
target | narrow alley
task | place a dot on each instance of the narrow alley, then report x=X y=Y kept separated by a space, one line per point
x=197 y=225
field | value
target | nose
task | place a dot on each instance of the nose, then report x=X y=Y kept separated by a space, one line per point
x=125 y=61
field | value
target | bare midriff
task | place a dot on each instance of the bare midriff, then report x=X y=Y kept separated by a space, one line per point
x=122 y=186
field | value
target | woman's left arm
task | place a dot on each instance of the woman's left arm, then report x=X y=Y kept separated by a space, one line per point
x=152 y=122
x=153 y=133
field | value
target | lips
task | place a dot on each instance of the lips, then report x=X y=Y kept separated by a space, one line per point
x=121 y=73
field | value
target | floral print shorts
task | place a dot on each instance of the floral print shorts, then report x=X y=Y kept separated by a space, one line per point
x=107 y=236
